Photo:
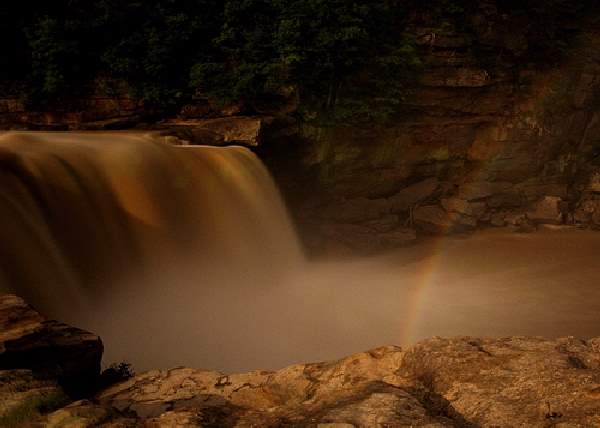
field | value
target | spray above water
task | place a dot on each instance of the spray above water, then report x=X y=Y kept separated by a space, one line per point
x=186 y=256
x=90 y=221
x=85 y=209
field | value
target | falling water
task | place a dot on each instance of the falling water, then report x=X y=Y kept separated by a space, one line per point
x=90 y=219
x=186 y=256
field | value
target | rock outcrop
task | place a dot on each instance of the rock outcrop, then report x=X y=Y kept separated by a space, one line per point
x=24 y=397
x=51 y=350
x=237 y=130
x=488 y=141
x=439 y=382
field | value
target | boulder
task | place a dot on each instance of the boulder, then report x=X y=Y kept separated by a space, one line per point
x=533 y=190
x=195 y=111
x=510 y=382
x=361 y=390
x=50 y=349
x=357 y=210
x=434 y=219
x=24 y=398
x=408 y=197
x=235 y=130
x=546 y=210
x=482 y=189
x=510 y=199
x=85 y=413
x=461 y=206
x=383 y=224
x=368 y=238
x=507 y=382
x=498 y=219
x=594 y=184
x=588 y=213
x=457 y=77
x=398 y=238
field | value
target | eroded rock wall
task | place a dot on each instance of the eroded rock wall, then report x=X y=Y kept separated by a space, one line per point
x=484 y=143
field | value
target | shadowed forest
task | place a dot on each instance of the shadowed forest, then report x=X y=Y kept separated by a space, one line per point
x=345 y=61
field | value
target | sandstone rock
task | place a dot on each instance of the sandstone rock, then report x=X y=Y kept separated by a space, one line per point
x=489 y=143
x=594 y=185
x=384 y=224
x=241 y=130
x=519 y=222
x=23 y=398
x=511 y=382
x=367 y=239
x=515 y=218
x=414 y=194
x=535 y=190
x=473 y=209
x=510 y=199
x=588 y=212
x=195 y=111
x=481 y=190
x=546 y=210
x=432 y=37
x=457 y=77
x=398 y=238
x=434 y=219
x=506 y=382
x=84 y=413
x=358 y=210
x=49 y=348
x=362 y=390
x=498 y=219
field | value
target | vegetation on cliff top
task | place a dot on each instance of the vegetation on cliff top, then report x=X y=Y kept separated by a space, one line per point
x=348 y=60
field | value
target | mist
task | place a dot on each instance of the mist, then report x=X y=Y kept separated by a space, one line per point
x=187 y=257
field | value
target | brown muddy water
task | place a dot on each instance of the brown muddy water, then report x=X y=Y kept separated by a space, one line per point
x=186 y=256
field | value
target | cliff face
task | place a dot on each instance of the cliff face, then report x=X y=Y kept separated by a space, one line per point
x=484 y=142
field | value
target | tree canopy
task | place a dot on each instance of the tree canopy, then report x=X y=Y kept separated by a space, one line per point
x=348 y=60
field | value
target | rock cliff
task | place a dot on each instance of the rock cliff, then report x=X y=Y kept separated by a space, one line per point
x=486 y=141
x=51 y=350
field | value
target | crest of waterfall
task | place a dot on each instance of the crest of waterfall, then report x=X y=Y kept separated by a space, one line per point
x=83 y=212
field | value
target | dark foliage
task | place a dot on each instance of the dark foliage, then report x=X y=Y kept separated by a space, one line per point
x=348 y=60
x=114 y=374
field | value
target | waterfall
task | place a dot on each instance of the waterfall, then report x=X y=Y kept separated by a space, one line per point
x=87 y=218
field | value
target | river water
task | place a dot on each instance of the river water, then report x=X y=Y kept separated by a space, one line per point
x=187 y=256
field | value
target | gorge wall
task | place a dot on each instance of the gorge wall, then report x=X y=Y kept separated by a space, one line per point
x=485 y=142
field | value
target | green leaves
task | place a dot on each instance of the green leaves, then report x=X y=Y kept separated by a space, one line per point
x=347 y=60
x=326 y=49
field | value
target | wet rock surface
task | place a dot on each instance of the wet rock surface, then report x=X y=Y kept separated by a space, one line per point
x=237 y=130
x=24 y=397
x=50 y=349
x=437 y=383
x=483 y=144
x=460 y=382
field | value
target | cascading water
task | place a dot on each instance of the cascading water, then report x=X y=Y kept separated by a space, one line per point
x=90 y=221
x=186 y=256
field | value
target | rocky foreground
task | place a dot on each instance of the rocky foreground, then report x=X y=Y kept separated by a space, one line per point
x=46 y=366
